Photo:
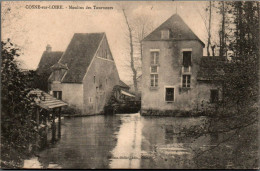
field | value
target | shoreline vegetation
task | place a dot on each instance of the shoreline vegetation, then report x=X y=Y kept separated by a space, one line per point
x=235 y=120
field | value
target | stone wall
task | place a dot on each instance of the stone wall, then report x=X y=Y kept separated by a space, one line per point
x=170 y=74
x=72 y=93
x=100 y=89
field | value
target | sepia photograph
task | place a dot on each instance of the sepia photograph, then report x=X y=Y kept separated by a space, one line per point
x=130 y=84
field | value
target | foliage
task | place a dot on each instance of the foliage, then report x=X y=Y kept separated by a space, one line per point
x=18 y=128
x=237 y=115
x=242 y=75
x=71 y=110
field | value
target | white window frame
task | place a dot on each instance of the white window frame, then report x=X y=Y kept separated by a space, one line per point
x=154 y=59
x=154 y=72
x=157 y=65
x=165 y=87
x=186 y=81
x=186 y=50
x=183 y=70
x=154 y=86
x=154 y=50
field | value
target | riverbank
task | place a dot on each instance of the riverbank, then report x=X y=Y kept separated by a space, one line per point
x=80 y=115
x=175 y=113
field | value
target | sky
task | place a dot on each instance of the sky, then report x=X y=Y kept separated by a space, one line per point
x=33 y=29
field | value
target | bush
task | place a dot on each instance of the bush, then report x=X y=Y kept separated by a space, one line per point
x=71 y=110
x=18 y=126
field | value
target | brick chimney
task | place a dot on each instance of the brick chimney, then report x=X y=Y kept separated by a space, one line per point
x=48 y=48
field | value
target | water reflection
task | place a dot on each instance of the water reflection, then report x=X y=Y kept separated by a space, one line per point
x=162 y=145
x=127 y=153
x=85 y=143
x=121 y=141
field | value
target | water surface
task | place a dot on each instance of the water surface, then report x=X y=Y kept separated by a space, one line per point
x=121 y=141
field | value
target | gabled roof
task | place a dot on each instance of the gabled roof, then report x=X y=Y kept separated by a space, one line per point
x=79 y=55
x=211 y=68
x=48 y=59
x=179 y=30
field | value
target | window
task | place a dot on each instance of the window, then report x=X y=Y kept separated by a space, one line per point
x=154 y=58
x=57 y=94
x=108 y=55
x=154 y=69
x=169 y=94
x=90 y=100
x=56 y=75
x=187 y=58
x=154 y=80
x=213 y=96
x=165 y=34
x=105 y=54
x=94 y=79
x=186 y=81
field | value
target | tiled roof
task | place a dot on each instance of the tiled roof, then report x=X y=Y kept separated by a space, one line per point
x=48 y=59
x=46 y=101
x=211 y=68
x=179 y=30
x=59 y=66
x=79 y=55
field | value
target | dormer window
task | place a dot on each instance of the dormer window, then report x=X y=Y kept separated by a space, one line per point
x=57 y=75
x=165 y=34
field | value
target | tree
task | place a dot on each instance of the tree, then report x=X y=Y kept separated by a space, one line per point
x=222 y=42
x=142 y=26
x=236 y=121
x=130 y=31
x=209 y=31
x=137 y=30
x=18 y=128
x=225 y=30
x=207 y=20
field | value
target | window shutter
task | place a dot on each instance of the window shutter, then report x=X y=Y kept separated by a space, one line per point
x=188 y=80
x=184 y=81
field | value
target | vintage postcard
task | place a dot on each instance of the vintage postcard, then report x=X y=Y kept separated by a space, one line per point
x=129 y=84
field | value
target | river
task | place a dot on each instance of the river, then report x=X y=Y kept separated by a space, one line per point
x=122 y=141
